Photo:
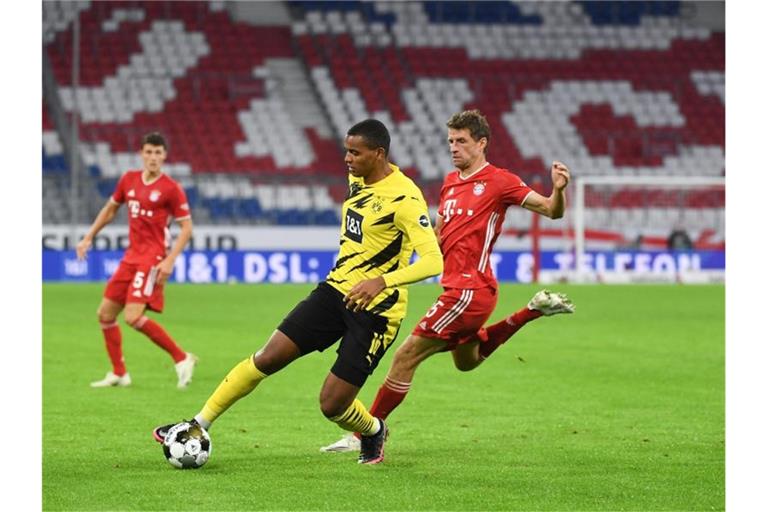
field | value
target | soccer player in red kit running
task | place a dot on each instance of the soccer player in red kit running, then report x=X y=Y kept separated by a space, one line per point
x=473 y=202
x=152 y=197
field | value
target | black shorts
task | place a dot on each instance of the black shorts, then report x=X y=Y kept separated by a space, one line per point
x=321 y=319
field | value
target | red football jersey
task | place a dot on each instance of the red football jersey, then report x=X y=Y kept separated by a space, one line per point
x=473 y=211
x=149 y=207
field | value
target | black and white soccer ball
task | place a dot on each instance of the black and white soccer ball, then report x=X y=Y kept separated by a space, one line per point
x=187 y=446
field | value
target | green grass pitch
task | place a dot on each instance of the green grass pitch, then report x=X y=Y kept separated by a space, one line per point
x=618 y=407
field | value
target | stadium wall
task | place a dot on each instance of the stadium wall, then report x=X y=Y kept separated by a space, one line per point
x=305 y=255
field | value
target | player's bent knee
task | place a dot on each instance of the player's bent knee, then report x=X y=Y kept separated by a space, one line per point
x=105 y=318
x=329 y=404
x=335 y=399
x=135 y=321
x=331 y=407
x=465 y=362
x=279 y=352
x=329 y=411
x=270 y=362
x=465 y=366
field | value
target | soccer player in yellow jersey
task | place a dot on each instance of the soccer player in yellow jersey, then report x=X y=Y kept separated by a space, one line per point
x=362 y=300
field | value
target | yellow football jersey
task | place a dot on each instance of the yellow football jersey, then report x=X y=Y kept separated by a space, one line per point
x=382 y=225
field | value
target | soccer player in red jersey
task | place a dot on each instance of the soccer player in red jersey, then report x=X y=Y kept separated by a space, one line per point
x=152 y=198
x=473 y=202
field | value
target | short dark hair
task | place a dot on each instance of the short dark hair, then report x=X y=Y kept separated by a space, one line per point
x=373 y=132
x=154 y=139
x=473 y=121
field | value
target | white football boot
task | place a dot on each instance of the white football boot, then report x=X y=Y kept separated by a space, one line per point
x=551 y=303
x=185 y=369
x=112 y=380
x=348 y=443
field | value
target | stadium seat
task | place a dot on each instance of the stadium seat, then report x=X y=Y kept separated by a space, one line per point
x=614 y=88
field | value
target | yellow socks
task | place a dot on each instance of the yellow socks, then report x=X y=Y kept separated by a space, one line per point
x=244 y=378
x=240 y=381
x=357 y=419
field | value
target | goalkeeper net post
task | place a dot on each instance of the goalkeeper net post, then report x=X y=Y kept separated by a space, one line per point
x=625 y=213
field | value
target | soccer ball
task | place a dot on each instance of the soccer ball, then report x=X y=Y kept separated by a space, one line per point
x=187 y=446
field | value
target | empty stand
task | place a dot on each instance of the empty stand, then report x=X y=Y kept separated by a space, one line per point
x=185 y=68
x=612 y=88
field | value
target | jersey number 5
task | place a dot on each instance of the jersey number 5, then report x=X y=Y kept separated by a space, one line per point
x=434 y=308
x=138 y=280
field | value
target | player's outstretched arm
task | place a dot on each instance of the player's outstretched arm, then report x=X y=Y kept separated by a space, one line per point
x=429 y=264
x=165 y=268
x=554 y=205
x=105 y=216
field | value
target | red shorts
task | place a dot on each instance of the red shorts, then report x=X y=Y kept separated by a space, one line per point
x=457 y=315
x=135 y=283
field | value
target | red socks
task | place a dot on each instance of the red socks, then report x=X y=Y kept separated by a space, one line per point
x=114 y=342
x=498 y=333
x=390 y=395
x=156 y=333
